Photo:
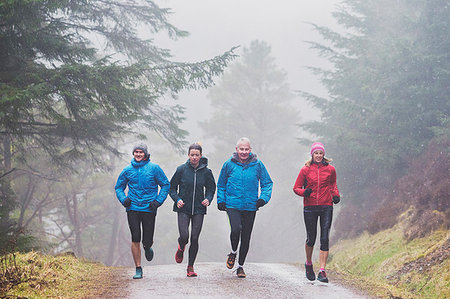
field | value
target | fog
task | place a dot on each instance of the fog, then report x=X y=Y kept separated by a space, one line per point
x=215 y=27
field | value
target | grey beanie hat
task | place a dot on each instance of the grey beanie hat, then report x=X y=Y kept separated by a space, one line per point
x=141 y=146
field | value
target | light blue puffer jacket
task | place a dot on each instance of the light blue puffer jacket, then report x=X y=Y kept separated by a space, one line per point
x=142 y=179
x=238 y=184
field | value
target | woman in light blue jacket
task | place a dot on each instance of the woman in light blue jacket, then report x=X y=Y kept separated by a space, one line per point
x=142 y=178
x=238 y=194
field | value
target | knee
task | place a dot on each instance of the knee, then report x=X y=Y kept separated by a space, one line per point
x=194 y=239
x=235 y=230
x=135 y=237
x=324 y=244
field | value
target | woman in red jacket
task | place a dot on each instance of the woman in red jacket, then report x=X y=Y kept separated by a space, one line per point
x=316 y=182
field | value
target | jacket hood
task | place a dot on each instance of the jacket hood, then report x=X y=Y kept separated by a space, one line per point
x=201 y=164
x=141 y=163
x=251 y=158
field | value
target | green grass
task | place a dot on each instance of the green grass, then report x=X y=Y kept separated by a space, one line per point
x=45 y=276
x=373 y=262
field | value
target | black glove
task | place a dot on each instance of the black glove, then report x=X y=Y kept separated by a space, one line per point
x=307 y=192
x=153 y=205
x=127 y=202
x=261 y=202
x=222 y=206
x=336 y=199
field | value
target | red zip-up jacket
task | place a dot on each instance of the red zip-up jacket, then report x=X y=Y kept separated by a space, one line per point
x=321 y=178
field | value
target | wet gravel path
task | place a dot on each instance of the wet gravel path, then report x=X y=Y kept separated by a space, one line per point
x=216 y=281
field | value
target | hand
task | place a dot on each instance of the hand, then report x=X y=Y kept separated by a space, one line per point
x=261 y=202
x=180 y=203
x=127 y=202
x=336 y=199
x=307 y=192
x=205 y=202
x=222 y=206
x=153 y=205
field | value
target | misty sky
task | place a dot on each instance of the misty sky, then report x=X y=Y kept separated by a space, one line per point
x=215 y=26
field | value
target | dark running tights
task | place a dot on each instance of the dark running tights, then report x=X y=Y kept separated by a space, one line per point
x=183 y=228
x=311 y=215
x=147 y=220
x=241 y=223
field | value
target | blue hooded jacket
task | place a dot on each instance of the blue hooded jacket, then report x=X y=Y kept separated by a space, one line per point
x=239 y=182
x=143 y=179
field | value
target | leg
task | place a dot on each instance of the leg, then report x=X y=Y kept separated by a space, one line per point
x=323 y=256
x=326 y=218
x=234 y=216
x=136 y=252
x=148 y=227
x=309 y=252
x=183 y=229
x=310 y=217
x=248 y=219
x=197 y=223
x=134 y=223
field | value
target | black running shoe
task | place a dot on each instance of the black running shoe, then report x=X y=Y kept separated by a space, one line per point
x=240 y=272
x=230 y=260
x=322 y=276
x=310 y=272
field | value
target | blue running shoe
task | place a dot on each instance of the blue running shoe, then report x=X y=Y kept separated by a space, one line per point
x=148 y=253
x=138 y=274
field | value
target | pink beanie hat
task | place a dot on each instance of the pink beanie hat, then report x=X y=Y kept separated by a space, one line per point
x=317 y=146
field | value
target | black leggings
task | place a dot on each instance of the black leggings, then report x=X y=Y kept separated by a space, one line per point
x=241 y=223
x=311 y=214
x=147 y=219
x=183 y=228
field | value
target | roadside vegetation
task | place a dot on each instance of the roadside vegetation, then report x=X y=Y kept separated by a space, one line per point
x=34 y=275
x=388 y=265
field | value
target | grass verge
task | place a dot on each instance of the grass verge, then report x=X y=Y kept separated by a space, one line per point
x=33 y=275
x=386 y=265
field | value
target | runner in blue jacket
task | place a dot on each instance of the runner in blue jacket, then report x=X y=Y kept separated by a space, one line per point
x=142 y=178
x=238 y=194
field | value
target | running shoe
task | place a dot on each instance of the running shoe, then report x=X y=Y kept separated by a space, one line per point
x=240 y=272
x=230 y=260
x=310 y=272
x=322 y=276
x=138 y=274
x=179 y=255
x=190 y=271
x=149 y=253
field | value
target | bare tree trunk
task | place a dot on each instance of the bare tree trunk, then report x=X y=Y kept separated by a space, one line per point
x=76 y=227
x=113 y=238
x=7 y=153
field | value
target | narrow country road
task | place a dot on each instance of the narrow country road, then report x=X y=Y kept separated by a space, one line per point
x=216 y=281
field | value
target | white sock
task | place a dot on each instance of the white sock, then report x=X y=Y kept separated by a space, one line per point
x=233 y=252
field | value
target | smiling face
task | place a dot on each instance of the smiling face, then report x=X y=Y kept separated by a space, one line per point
x=194 y=157
x=318 y=156
x=243 y=150
x=138 y=155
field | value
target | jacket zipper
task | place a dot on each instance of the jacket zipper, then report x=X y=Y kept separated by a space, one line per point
x=318 y=184
x=193 y=193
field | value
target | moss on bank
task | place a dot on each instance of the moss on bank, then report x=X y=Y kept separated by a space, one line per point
x=34 y=275
x=388 y=266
